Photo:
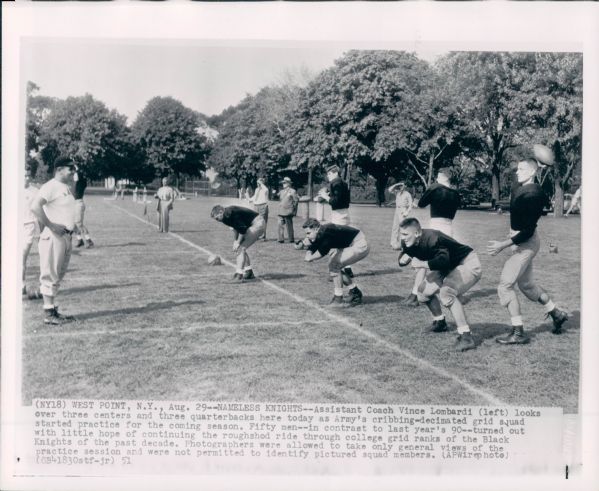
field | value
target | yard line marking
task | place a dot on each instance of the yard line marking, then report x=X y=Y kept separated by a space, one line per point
x=491 y=399
x=188 y=327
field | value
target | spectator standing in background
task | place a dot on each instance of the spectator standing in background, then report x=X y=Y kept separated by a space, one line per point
x=260 y=200
x=288 y=200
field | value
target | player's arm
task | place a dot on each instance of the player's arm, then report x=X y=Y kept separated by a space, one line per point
x=238 y=240
x=440 y=260
x=496 y=246
x=37 y=207
x=312 y=256
x=425 y=199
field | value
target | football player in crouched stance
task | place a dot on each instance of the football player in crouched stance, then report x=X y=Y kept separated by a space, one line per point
x=247 y=226
x=454 y=269
x=351 y=247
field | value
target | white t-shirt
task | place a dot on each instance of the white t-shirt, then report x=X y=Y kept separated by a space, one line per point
x=28 y=196
x=60 y=203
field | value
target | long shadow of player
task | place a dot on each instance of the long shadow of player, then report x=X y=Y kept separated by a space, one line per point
x=381 y=299
x=151 y=307
x=482 y=332
x=281 y=276
x=124 y=245
x=377 y=272
x=93 y=288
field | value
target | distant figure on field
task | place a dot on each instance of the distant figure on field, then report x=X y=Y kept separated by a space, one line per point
x=288 y=200
x=166 y=197
x=260 y=200
x=403 y=207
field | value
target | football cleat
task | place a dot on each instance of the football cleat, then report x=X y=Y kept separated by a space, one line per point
x=559 y=317
x=89 y=244
x=465 y=342
x=238 y=276
x=355 y=296
x=516 y=336
x=53 y=317
x=79 y=243
x=249 y=275
x=438 y=326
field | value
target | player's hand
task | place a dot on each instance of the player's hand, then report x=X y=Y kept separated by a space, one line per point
x=494 y=247
x=57 y=229
x=403 y=259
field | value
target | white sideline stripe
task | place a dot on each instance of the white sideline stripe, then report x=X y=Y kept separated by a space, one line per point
x=491 y=399
x=189 y=327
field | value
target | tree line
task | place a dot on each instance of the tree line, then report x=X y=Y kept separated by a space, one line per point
x=384 y=114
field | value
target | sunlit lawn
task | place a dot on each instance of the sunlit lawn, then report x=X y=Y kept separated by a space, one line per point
x=156 y=322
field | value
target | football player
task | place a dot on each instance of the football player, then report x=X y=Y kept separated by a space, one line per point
x=349 y=245
x=526 y=208
x=453 y=269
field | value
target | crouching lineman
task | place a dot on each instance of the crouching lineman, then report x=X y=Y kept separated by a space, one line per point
x=350 y=247
x=247 y=226
x=454 y=269
x=526 y=207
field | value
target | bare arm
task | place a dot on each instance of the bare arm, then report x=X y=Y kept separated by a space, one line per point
x=312 y=256
x=37 y=207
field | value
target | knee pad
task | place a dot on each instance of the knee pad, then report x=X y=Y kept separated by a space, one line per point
x=531 y=291
x=422 y=298
x=447 y=296
x=506 y=294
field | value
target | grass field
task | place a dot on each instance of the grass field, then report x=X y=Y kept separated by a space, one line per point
x=156 y=322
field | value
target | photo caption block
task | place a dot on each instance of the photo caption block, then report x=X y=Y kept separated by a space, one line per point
x=78 y=437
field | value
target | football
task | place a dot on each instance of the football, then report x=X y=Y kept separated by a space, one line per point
x=404 y=260
x=543 y=154
x=214 y=261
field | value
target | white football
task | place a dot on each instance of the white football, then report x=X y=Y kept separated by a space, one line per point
x=543 y=154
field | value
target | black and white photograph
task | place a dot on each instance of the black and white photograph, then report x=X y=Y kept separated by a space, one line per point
x=291 y=241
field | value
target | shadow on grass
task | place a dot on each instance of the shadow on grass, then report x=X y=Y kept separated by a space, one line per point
x=485 y=292
x=151 y=307
x=124 y=245
x=281 y=276
x=482 y=332
x=376 y=272
x=83 y=289
x=381 y=299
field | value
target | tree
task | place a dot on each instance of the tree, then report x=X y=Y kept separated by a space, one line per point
x=38 y=109
x=252 y=136
x=345 y=113
x=553 y=96
x=489 y=86
x=168 y=135
x=85 y=130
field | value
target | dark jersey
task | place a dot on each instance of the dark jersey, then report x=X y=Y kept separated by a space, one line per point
x=338 y=194
x=239 y=218
x=80 y=185
x=444 y=201
x=331 y=236
x=440 y=251
x=526 y=207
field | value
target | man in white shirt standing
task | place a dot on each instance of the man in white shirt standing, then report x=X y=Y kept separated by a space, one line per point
x=403 y=206
x=260 y=200
x=29 y=222
x=54 y=208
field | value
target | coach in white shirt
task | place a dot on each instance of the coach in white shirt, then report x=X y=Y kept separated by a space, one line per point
x=260 y=200
x=54 y=207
